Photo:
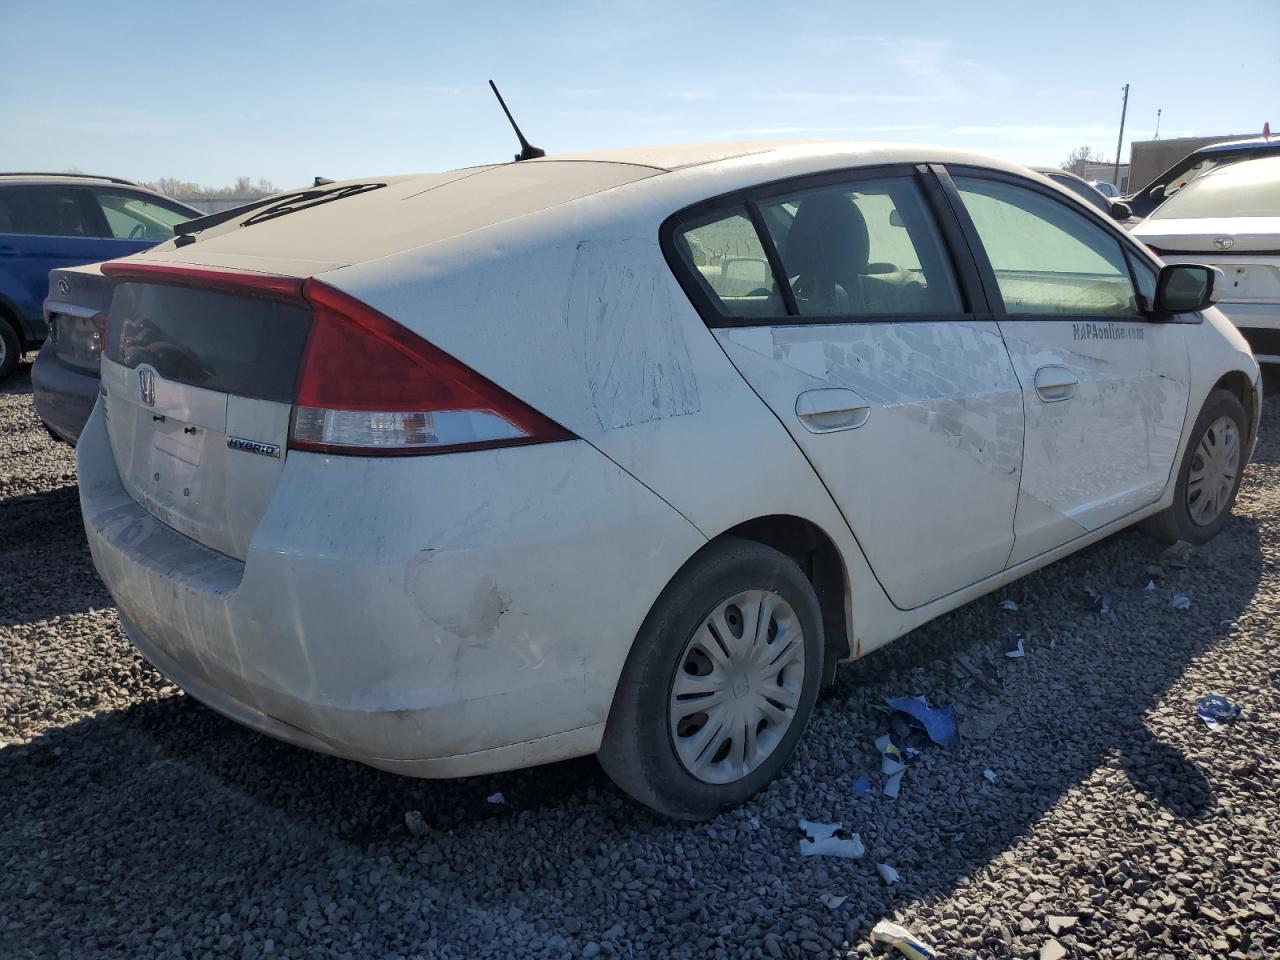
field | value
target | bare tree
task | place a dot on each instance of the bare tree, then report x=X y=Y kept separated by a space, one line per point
x=243 y=187
x=1084 y=154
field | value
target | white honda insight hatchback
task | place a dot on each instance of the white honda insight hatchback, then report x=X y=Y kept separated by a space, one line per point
x=620 y=453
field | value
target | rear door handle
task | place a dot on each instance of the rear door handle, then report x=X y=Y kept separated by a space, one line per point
x=8 y=251
x=831 y=409
x=1055 y=383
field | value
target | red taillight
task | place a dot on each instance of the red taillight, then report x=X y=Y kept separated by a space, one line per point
x=370 y=386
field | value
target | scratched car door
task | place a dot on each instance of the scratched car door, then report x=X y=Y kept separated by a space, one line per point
x=1104 y=385
x=903 y=400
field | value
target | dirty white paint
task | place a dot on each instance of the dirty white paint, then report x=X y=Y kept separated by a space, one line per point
x=1109 y=449
x=621 y=324
x=930 y=481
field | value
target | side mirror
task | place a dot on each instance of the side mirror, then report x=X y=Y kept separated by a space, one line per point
x=1157 y=192
x=1120 y=210
x=1186 y=288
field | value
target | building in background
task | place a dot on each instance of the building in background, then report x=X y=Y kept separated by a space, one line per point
x=1150 y=158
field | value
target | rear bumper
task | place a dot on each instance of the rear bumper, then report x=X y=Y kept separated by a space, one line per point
x=436 y=616
x=1259 y=323
x=63 y=396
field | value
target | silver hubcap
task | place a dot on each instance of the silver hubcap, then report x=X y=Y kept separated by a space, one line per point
x=1214 y=466
x=737 y=686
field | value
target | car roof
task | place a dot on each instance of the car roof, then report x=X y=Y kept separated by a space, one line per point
x=36 y=177
x=1230 y=146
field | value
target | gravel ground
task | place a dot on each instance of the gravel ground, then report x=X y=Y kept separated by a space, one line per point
x=139 y=824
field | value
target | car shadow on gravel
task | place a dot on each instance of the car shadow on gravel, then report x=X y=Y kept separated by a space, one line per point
x=163 y=813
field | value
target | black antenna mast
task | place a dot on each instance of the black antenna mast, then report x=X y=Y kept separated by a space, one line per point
x=527 y=150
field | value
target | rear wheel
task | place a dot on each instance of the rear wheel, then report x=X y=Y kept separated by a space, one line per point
x=1209 y=475
x=10 y=348
x=720 y=683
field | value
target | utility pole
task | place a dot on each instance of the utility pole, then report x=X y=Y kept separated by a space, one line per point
x=1115 y=174
x=1158 y=112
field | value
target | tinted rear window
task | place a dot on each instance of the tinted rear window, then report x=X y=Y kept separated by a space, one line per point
x=249 y=347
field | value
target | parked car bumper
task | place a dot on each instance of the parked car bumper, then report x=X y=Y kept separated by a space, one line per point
x=63 y=395
x=1260 y=325
x=439 y=628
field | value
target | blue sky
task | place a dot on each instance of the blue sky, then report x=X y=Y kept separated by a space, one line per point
x=286 y=90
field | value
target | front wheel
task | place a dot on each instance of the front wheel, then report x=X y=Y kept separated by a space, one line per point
x=1209 y=475
x=720 y=683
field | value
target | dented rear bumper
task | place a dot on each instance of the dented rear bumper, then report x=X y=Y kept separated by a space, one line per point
x=437 y=616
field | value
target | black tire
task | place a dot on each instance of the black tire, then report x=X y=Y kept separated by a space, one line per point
x=1175 y=523
x=638 y=751
x=10 y=348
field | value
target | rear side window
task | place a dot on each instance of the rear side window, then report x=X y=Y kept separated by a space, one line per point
x=727 y=256
x=1047 y=258
x=132 y=217
x=51 y=211
x=862 y=250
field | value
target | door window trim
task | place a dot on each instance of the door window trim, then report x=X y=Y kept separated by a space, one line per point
x=959 y=259
x=1129 y=248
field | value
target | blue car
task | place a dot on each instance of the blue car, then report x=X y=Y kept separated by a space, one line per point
x=50 y=220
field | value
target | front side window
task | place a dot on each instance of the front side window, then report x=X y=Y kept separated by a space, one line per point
x=132 y=217
x=862 y=250
x=51 y=211
x=1047 y=258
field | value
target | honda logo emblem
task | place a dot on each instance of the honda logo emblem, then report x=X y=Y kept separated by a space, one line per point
x=147 y=386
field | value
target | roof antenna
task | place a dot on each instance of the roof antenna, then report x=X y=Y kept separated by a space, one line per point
x=527 y=150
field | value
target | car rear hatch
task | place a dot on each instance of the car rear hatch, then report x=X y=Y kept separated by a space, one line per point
x=198 y=385
x=75 y=311
x=1249 y=258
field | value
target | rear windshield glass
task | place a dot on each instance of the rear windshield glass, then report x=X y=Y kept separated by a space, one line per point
x=1249 y=189
x=246 y=346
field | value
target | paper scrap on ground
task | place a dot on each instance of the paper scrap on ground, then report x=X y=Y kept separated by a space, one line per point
x=1016 y=648
x=1150 y=587
x=1101 y=599
x=861 y=786
x=989 y=775
x=1180 y=601
x=893 y=784
x=833 y=902
x=496 y=798
x=889 y=875
x=901 y=939
x=938 y=723
x=830 y=840
x=1008 y=605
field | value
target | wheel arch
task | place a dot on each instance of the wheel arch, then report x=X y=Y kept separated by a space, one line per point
x=817 y=555
x=1238 y=384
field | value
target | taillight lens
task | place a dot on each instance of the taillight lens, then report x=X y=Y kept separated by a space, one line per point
x=370 y=386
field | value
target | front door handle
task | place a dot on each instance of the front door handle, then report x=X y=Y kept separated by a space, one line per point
x=831 y=409
x=1055 y=383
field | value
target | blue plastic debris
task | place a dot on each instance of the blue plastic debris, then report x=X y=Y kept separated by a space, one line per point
x=1215 y=709
x=862 y=786
x=938 y=723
